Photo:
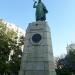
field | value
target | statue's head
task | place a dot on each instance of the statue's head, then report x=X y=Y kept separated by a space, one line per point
x=39 y=1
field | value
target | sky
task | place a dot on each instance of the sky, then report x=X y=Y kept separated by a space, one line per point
x=60 y=18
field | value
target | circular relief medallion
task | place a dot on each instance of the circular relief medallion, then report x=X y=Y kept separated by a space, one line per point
x=36 y=38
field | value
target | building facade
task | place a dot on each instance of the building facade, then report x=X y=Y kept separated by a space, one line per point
x=70 y=47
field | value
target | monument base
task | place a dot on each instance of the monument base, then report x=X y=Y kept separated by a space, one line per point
x=37 y=58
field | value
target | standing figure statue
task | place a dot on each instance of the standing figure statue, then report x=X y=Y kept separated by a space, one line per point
x=40 y=11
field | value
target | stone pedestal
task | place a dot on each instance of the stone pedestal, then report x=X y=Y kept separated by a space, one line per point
x=37 y=58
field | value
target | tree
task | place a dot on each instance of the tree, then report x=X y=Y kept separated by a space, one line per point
x=6 y=39
x=4 y=49
x=16 y=56
x=61 y=67
x=66 y=65
x=10 y=42
x=70 y=61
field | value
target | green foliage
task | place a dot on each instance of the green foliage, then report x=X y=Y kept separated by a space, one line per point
x=66 y=65
x=8 y=43
x=15 y=58
x=4 y=49
x=70 y=61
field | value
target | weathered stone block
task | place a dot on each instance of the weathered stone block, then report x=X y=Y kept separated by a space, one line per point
x=37 y=58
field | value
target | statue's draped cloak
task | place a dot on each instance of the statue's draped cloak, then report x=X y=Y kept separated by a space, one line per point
x=40 y=11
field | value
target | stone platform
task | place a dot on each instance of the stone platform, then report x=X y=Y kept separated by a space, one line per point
x=37 y=57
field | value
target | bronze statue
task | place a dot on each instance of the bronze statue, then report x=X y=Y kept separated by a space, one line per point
x=41 y=11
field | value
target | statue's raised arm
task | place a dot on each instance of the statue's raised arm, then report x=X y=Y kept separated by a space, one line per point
x=41 y=11
x=34 y=6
